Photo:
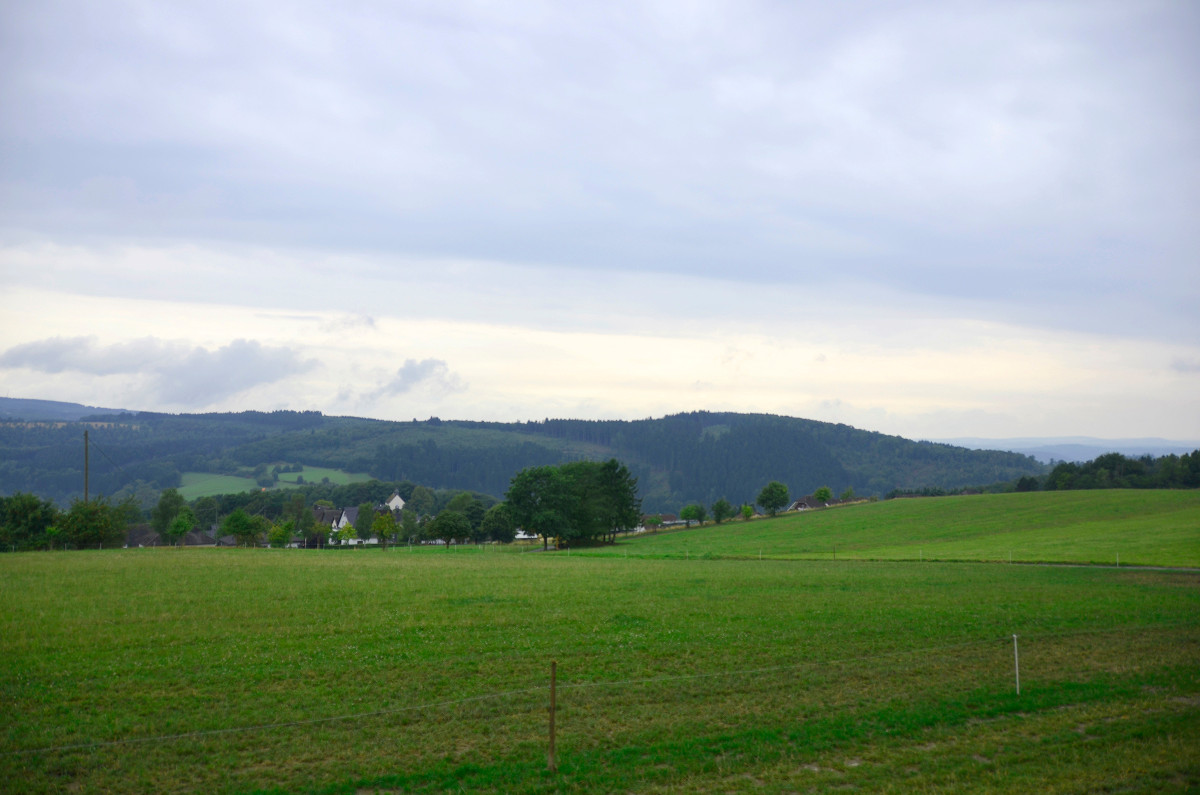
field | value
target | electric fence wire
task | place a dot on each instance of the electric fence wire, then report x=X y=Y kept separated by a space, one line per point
x=574 y=686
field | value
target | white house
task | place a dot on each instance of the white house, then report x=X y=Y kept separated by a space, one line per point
x=395 y=502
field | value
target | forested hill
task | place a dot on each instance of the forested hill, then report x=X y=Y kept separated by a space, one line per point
x=696 y=457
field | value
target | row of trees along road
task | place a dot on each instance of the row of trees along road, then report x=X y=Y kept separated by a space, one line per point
x=579 y=501
x=773 y=497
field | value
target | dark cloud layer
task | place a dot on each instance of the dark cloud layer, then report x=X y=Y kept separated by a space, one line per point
x=1039 y=158
x=177 y=373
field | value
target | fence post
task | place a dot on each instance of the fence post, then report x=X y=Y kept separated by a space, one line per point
x=553 y=687
x=1017 y=664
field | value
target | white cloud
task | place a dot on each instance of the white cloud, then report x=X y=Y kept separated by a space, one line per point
x=897 y=214
x=432 y=374
x=177 y=374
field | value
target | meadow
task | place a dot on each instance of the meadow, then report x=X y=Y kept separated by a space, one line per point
x=207 y=484
x=1141 y=527
x=241 y=670
x=316 y=474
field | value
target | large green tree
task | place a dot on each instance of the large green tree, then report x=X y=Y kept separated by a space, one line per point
x=722 y=509
x=409 y=525
x=383 y=527
x=170 y=503
x=280 y=535
x=421 y=501
x=242 y=527
x=207 y=511
x=181 y=525
x=692 y=513
x=449 y=526
x=95 y=523
x=540 y=501
x=603 y=499
x=23 y=521
x=773 y=496
x=497 y=524
x=364 y=523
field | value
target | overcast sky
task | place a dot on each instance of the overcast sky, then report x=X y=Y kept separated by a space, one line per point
x=931 y=219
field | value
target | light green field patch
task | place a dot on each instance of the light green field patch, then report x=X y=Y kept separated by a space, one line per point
x=316 y=474
x=206 y=484
x=1141 y=527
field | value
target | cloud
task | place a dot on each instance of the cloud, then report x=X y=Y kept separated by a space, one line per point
x=348 y=323
x=433 y=374
x=1182 y=365
x=176 y=373
x=1033 y=154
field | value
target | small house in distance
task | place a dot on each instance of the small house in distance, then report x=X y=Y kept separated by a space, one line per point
x=805 y=503
x=395 y=502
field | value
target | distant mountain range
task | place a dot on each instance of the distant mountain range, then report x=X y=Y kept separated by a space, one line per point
x=1077 y=448
x=695 y=457
x=22 y=409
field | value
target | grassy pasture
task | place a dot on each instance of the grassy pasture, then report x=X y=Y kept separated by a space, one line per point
x=675 y=675
x=315 y=474
x=207 y=484
x=1142 y=527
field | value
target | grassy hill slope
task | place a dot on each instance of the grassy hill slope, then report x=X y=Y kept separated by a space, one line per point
x=1141 y=527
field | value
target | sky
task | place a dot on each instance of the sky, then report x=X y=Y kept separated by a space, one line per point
x=932 y=219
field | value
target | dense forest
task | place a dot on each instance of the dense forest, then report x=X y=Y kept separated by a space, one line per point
x=695 y=457
x=1115 y=471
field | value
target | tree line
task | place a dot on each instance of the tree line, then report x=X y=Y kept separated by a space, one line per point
x=695 y=457
x=1108 y=471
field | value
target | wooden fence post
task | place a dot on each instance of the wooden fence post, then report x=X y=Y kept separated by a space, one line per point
x=553 y=687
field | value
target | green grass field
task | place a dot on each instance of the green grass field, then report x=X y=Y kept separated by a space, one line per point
x=206 y=484
x=1160 y=528
x=234 y=670
x=315 y=474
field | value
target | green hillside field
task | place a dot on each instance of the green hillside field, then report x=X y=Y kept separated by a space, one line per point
x=1140 y=527
x=315 y=474
x=207 y=484
x=244 y=670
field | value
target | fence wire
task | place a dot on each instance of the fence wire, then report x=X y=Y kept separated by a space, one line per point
x=928 y=653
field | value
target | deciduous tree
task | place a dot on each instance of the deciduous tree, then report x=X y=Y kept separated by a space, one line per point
x=241 y=526
x=384 y=527
x=539 y=499
x=181 y=525
x=280 y=535
x=421 y=501
x=170 y=503
x=95 y=523
x=773 y=496
x=722 y=510
x=23 y=521
x=449 y=526
x=497 y=524
x=364 y=524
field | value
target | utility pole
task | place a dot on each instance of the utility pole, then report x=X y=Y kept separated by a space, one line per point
x=85 y=466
